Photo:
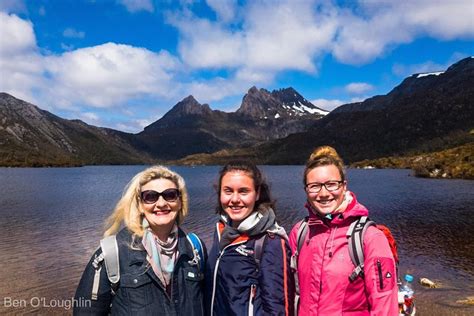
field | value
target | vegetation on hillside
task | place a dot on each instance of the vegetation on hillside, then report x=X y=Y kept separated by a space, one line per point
x=456 y=162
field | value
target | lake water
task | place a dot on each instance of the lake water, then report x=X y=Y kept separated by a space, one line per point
x=51 y=220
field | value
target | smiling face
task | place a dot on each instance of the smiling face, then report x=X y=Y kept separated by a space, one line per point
x=161 y=215
x=325 y=201
x=238 y=195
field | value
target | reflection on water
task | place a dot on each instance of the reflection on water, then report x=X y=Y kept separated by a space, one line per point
x=52 y=220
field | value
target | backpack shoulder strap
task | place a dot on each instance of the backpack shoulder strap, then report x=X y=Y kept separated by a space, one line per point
x=300 y=237
x=197 y=250
x=355 y=235
x=302 y=231
x=258 y=249
x=110 y=256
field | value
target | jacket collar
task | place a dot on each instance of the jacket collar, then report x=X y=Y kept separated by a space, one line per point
x=185 y=251
x=354 y=209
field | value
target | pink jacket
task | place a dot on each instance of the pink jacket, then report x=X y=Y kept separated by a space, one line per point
x=324 y=267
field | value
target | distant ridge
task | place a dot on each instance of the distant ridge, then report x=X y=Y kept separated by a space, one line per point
x=422 y=114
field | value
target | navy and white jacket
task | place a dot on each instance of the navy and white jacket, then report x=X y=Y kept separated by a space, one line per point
x=235 y=285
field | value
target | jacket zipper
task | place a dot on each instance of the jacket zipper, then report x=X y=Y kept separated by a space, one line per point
x=214 y=281
x=330 y=240
x=379 y=267
x=253 y=292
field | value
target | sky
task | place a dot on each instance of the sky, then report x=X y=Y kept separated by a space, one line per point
x=123 y=64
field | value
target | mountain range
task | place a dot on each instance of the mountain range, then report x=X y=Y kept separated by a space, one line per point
x=30 y=136
x=426 y=112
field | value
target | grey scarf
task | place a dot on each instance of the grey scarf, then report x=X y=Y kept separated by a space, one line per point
x=261 y=221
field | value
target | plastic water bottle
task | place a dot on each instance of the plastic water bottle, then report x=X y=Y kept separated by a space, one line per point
x=406 y=297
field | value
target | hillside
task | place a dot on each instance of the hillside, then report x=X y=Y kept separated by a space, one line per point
x=32 y=137
x=457 y=162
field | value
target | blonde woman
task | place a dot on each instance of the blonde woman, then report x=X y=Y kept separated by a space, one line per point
x=158 y=269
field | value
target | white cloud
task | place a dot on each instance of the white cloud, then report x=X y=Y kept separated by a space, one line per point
x=358 y=87
x=260 y=39
x=208 y=45
x=438 y=18
x=16 y=35
x=326 y=104
x=109 y=74
x=378 y=26
x=20 y=62
x=287 y=35
x=273 y=37
x=89 y=117
x=138 y=5
x=72 y=33
x=132 y=126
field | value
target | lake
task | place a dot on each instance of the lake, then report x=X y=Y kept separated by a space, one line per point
x=52 y=220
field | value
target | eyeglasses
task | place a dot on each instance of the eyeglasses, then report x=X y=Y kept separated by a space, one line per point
x=151 y=196
x=315 y=187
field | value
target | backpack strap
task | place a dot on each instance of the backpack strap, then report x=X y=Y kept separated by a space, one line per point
x=258 y=249
x=355 y=235
x=198 y=258
x=300 y=237
x=97 y=264
x=110 y=256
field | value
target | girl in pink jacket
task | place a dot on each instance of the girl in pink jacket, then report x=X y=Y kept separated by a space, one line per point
x=324 y=264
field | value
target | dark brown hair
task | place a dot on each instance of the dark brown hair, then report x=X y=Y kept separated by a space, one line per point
x=259 y=182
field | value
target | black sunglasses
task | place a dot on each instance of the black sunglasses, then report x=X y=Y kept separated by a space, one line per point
x=151 y=196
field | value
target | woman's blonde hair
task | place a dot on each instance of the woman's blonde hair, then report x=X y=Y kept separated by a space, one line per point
x=324 y=156
x=127 y=210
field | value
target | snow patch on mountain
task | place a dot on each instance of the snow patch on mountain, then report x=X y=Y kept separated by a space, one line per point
x=430 y=74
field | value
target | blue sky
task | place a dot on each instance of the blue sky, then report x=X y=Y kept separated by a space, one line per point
x=123 y=64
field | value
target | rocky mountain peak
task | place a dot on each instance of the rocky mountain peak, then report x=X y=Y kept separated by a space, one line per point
x=186 y=109
x=259 y=104
x=253 y=90
x=295 y=104
x=287 y=102
x=189 y=106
